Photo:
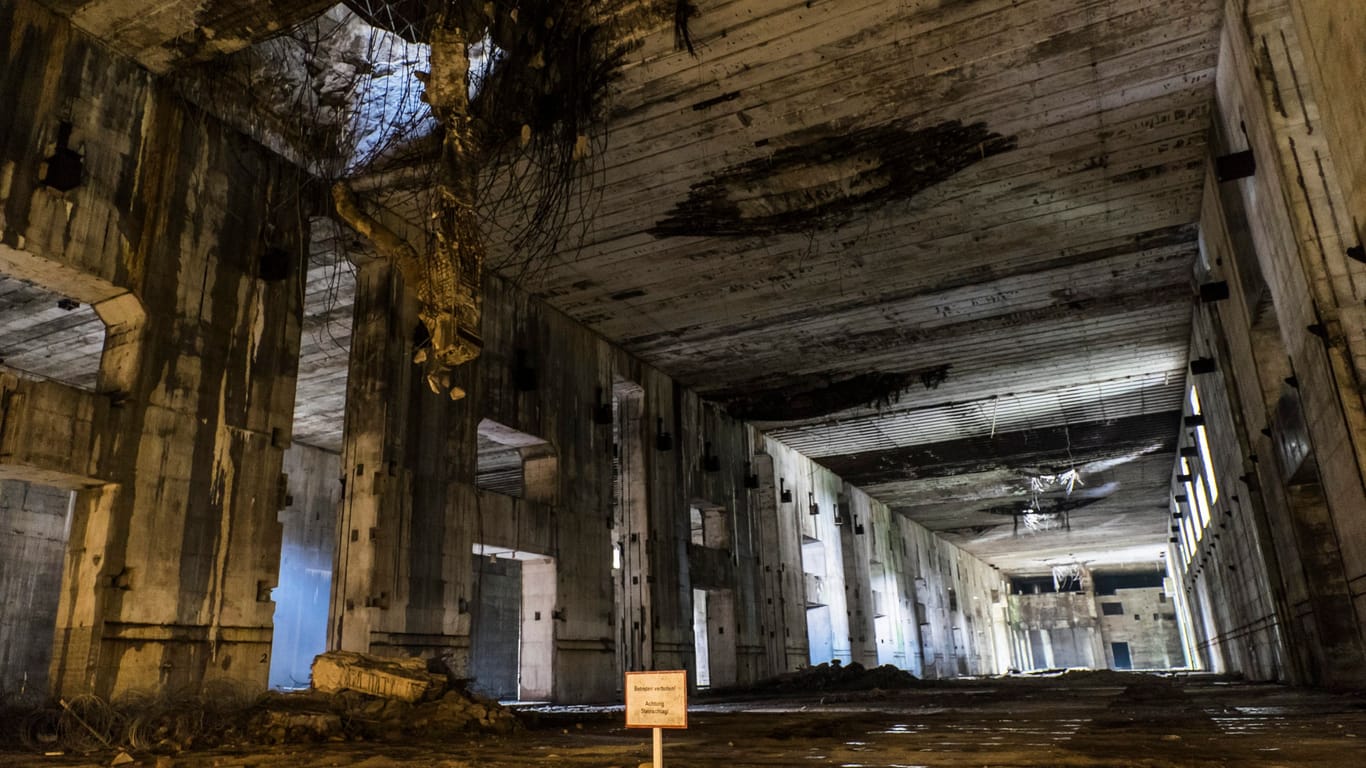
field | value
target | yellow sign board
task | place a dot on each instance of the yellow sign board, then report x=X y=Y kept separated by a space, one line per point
x=657 y=699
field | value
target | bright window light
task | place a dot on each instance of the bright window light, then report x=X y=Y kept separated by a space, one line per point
x=1207 y=463
x=1202 y=507
x=1195 y=495
x=1187 y=538
x=1195 y=402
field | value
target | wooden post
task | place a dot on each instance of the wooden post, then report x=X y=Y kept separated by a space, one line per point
x=657 y=700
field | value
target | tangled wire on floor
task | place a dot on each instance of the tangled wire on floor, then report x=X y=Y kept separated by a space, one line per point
x=224 y=714
x=138 y=721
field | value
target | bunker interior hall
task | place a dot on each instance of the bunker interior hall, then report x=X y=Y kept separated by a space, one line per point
x=487 y=352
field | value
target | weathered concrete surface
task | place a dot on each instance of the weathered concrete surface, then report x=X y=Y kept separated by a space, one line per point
x=495 y=634
x=412 y=514
x=1042 y=263
x=1331 y=34
x=401 y=679
x=1278 y=584
x=402 y=561
x=170 y=565
x=1087 y=721
x=1056 y=630
x=936 y=610
x=50 y=433
x=1147 y=626
x=1256 y=574
x=182 y=31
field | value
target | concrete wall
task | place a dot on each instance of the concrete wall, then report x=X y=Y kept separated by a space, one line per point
x=937 y=608
x=821 y=556
x=1277 y=586
x=1148 y=626
x=1331 y=34
x=32 y=543
x=172 y=559
x=536 y=664
x=1071 y=629
x=412 y=513
x=1057 y=630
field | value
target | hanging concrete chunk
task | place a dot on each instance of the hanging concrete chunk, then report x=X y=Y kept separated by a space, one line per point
x=403 y=679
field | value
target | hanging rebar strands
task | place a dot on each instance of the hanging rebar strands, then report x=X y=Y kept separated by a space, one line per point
x=518 y=142
x=446 y=275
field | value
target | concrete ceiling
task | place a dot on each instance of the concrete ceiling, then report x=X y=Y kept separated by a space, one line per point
x=942 y=247
x=165 y=34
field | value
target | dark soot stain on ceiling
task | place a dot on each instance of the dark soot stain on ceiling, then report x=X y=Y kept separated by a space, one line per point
x=827 y=180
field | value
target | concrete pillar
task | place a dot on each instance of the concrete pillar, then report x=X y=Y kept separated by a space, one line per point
x=171 y=563
x=635 y=634
x=188 y=240
x=400 y=582
x=857 y=576
x=782 y=610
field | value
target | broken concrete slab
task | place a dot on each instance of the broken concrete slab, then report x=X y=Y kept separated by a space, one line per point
x=402 y=679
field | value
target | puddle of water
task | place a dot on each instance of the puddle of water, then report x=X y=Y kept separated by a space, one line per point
x=902 y=728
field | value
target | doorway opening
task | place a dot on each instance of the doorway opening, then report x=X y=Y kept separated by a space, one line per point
x=714 y=637
x=49 y=335
x=515 y=464
x=512 y=624
x=308 y=545
x=34 y=526
x=1121 y=654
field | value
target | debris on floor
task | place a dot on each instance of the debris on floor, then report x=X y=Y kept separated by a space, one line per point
x=349 y=715
x=223 y=717
x=835 y=676
x=390 y=677
x=1079 y=721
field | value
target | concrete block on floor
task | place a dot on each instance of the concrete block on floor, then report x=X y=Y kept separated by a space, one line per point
x=403 y=679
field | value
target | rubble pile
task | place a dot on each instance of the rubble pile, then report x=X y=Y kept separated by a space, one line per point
x=397 y=678
x=356 y=697
x=1090 y=677
x=835 y=676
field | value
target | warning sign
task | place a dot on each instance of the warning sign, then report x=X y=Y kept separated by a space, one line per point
x=657 y=699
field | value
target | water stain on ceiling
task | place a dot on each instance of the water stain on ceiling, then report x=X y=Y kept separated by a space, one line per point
x=824 y=179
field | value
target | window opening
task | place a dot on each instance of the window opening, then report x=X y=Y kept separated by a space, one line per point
x=1202 y=507
x=1188 y=537
x=50 y=336
x=709 y=525
x=514 y=463
x=1206 y=459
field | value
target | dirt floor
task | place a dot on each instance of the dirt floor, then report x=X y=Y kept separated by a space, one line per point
x=1101 y=719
